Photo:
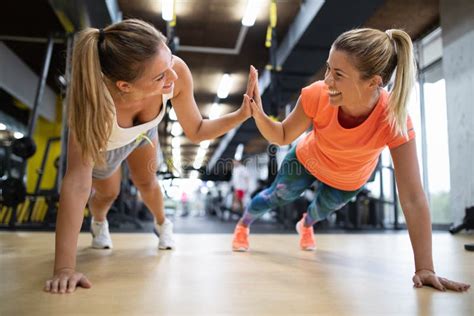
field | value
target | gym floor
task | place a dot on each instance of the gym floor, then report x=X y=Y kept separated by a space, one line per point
x=349 y=274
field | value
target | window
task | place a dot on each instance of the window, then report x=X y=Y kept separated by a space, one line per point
x=437 y=158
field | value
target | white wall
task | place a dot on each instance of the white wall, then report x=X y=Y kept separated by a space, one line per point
x=457 y=23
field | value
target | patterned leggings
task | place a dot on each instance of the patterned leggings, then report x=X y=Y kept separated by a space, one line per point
x=291 y=181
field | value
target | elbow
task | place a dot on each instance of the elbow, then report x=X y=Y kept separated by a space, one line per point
x=414 y=203
x=283 y=138
x=195 y=139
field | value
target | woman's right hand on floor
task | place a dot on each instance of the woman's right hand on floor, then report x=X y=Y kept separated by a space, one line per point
x=65 y=281
x=427 y=277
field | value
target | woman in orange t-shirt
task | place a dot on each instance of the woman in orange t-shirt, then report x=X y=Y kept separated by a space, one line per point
x=353 y=119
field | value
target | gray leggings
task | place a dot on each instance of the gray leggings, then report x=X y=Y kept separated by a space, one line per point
x=115 y=157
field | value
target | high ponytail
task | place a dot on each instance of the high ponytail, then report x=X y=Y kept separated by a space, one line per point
x=404 y=79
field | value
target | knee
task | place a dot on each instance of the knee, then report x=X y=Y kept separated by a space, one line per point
x=148 y=185
x=106 y=195
x=271 y=197
x=330 y=202
x=283 y=193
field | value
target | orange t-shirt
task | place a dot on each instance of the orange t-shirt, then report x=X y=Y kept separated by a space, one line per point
x=340 y=157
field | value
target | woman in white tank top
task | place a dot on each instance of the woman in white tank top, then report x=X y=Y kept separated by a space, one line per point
x=121 y=78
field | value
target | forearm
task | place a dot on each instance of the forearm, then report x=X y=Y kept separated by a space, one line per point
x=271 y=130
x=418 y=221
x=210 y=129
x=70 y=215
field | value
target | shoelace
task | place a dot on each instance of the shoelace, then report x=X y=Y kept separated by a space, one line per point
x=101 y=230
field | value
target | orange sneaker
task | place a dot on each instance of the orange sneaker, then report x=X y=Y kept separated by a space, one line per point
x=241 y=238
x=306 y=235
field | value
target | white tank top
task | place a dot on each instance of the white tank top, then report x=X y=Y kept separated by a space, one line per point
x=124 y=136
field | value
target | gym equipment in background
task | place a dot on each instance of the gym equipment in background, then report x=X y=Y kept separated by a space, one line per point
x=13 y=191
x=467 y=223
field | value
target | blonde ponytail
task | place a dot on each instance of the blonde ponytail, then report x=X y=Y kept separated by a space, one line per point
x=404 y=80
x=90 y=112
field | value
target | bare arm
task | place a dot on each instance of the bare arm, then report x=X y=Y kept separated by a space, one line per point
x=417 y=216
x=75 y=190
x=278 y=133
x=195 y=127
x=282 y=133
x=414 y=203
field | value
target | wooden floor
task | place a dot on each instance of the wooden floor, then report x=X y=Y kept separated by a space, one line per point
x=349 y=274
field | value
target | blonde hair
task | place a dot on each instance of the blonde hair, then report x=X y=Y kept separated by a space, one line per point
x=118 y=52
x=381 y=53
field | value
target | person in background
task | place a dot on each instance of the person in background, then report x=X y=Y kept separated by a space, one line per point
x=240 y=183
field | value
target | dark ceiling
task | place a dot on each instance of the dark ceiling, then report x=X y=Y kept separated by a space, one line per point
x=216 y=24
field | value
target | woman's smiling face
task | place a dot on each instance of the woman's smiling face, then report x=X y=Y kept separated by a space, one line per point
x=158 y=77
x=346 y=88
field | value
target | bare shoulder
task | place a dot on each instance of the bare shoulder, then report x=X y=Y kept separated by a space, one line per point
x=180 y=66
x=184 y=83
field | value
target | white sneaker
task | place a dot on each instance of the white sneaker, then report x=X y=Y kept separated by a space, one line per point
x=165 y=234
x=100 y=235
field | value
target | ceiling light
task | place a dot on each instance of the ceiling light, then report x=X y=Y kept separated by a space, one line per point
x=18 y=135
x=167 y=8
x=224 y=86
x=199 y=160
x=238 y=152
x=62 y=80
x=210 y=184
x=215 y=111
x=194 y=174
x=176 y=152
x=251 y=11
x=205 y=144
x=176 y=162
x=2 y=127
x=172 y=115
x=175 y=142
x=176 y=129
x=197 y=164
x=201 y=153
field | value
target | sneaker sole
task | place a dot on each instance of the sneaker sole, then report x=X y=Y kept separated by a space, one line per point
x=240 y=249
x=165 y=247
x=162 y=247
x=98 y=246
x=101 y=247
